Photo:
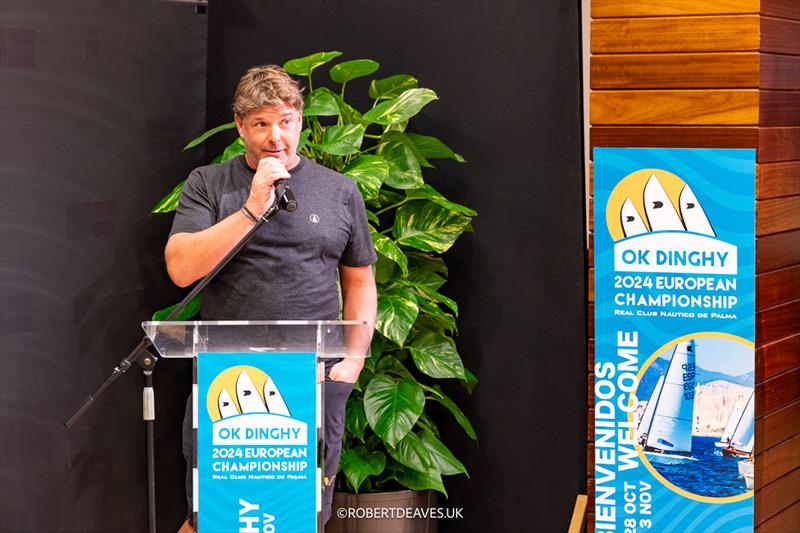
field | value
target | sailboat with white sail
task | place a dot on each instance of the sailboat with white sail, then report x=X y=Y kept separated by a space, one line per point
x=741 y=443
x=733 y=419
x=747 y=469
x=665 y=429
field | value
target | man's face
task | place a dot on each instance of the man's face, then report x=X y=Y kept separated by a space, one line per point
x=271 y=132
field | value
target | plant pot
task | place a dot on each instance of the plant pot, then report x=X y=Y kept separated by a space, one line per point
x=356 y=509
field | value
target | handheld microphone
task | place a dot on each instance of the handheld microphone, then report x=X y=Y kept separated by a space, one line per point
x=285 y=196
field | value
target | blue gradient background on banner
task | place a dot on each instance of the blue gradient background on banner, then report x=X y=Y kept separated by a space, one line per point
x=723 y=181
x=291 y=501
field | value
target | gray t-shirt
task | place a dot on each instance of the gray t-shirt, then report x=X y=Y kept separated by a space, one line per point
x=288 y=270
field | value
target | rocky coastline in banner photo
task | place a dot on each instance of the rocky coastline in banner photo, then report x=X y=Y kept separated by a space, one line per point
x=674 y=253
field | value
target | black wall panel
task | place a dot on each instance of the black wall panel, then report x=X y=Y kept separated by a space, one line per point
x=508 y=75
x=96 y=100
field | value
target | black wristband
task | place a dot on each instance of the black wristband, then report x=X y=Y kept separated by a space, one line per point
x=246 y=212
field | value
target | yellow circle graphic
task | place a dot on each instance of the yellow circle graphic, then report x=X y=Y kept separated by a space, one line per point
x=632 y=399
x=631 y=187
x=225 y=383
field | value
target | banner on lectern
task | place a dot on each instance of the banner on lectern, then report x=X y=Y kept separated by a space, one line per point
x=674 y=259
x=256 y=449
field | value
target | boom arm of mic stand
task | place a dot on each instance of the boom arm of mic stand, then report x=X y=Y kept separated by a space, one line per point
x=141 y=349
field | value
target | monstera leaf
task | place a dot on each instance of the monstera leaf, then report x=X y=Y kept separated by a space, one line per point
x=304 y=66
x=350 y=70
x=433 y=148
x=402 y=108
x=410 y=451
x=342 y=140
x=442 y=458
x=435 y=355
x=397 y=312
x=360 y=463
x=391 y=87
x=320 y=103
x=393 y=406
x=387 y=248
x=404 y=168
x=428 y=227
x=369 y=172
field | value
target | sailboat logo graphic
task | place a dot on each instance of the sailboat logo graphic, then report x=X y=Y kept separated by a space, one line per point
x=244 y=390
x=659 y=224
x=653 y=200
x=247 y=408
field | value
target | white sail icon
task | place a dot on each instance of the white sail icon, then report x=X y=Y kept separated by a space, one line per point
x=226 y=406
x=660 y=213
x=272 y=396
x=249 y=399
x=632 y=223
x=694 y=218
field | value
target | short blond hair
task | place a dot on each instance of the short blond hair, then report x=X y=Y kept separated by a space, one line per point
x=266 y=86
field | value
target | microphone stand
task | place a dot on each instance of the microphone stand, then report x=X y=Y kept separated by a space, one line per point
x=143 y=355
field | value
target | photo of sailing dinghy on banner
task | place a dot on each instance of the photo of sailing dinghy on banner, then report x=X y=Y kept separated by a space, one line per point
x=695 y=419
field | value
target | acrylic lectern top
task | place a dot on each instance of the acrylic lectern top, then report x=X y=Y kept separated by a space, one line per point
x=326 y=338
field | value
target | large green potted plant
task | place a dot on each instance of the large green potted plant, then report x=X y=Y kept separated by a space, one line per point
x=391 y=439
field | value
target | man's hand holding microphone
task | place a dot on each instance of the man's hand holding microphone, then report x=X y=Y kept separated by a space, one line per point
x=262 y=190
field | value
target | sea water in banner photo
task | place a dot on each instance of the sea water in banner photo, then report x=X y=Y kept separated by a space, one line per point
x=674 y=251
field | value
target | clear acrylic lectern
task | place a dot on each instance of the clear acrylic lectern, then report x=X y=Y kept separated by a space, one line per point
x=258 y=416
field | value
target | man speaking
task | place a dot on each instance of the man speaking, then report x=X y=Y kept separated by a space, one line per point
x=288 y=270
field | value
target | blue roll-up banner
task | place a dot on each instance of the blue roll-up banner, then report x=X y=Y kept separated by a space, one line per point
x=674 y=286
x=256 y=442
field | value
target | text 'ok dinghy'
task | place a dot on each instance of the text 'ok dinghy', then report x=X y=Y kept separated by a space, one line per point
x=665 y=430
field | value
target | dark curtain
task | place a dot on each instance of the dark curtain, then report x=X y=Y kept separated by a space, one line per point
x=508 y=77
x=97 y=99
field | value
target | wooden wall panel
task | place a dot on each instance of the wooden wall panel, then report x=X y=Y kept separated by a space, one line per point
x=736 y=33
x=780 y=36
x=787 y=9
x=778 y=392
x=779 y=71
x=653 y=71
x=777 y=287
x=777 y=461
x=590 y=318
x=778 y=322
x=779 y=108
x=780 y=250
x=722 y=74
x=771 y=499
x=651 y=8
x=778 y=144
x=777 y=427
x=783 y=521
x=717 y=107
x=774 y=180
x=778 y=356
x=674 y=136
x=777 y=215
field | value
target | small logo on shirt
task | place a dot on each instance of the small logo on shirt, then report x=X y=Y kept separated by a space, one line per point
x=314 y=218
